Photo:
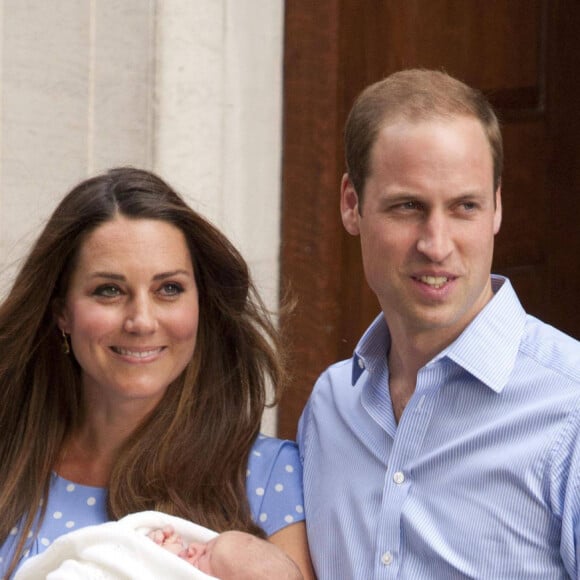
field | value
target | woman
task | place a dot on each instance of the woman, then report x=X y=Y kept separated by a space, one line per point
x=134 y=361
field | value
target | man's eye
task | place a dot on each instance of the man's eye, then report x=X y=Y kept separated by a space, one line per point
x=107 y=291
x=410 y=205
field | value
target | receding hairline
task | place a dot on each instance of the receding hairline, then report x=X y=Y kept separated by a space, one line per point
x=415 y=95
x=391 y=119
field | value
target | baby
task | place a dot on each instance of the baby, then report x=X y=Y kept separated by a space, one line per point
x=230 y=556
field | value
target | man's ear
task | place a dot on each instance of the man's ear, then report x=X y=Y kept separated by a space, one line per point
x=349 y=206
x=498 y=211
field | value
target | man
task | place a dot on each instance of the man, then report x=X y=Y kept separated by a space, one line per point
x=448 y=446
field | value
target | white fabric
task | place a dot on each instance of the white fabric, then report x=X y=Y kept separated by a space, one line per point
x=117 y=550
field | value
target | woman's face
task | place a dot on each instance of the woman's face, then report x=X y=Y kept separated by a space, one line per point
x=132 y=311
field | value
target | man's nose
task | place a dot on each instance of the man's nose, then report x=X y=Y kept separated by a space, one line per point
x=435 y=237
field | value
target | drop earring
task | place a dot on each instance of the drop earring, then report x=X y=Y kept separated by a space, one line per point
x=65 y=343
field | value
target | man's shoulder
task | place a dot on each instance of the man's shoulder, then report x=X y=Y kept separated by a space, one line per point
x=551 y=348
x=339 y=369
x=332 y=390
x=370 y=353
x=336 y=375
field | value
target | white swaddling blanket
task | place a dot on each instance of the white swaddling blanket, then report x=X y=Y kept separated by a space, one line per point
x=117 y=550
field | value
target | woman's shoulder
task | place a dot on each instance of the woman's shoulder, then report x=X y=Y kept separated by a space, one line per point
x=274 y=483
x=272 y=445
x=268 y=452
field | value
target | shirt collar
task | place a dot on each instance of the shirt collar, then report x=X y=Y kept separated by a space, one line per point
x=487 y=348
x=372 y=348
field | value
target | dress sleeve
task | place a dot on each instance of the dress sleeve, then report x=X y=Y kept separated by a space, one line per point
x=274 y=484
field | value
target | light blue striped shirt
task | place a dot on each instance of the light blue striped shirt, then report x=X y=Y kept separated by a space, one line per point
x=480 y=478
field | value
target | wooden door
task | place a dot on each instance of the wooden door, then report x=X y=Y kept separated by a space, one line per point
x=525 y=55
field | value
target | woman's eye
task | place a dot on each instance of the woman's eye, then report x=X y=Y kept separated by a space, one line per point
x=171 y=289
x=107 y=291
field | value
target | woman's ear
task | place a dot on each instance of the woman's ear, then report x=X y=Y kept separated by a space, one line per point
x=60 y=315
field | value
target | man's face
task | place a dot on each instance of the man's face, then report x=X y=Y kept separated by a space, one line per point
x=427 y=224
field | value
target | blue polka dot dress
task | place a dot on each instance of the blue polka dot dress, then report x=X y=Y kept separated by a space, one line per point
x=274 y=488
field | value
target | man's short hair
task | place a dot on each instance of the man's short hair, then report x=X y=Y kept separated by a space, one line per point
x=414 y=95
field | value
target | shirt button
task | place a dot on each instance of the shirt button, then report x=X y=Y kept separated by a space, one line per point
x=399 y=477
x=361 y=363
x=387 y=558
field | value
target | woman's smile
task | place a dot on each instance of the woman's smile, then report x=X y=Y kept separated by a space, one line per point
x=140 y=354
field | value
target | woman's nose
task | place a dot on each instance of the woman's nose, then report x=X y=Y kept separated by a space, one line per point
x=140 y=317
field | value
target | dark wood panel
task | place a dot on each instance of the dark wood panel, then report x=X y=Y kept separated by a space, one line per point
x=522 y=238
x=562 y=180
x=311 y=177
x=493 y=44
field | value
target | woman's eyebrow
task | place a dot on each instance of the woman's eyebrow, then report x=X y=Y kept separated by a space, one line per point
x=170 y=274
x=121 y=278
x=108 y=275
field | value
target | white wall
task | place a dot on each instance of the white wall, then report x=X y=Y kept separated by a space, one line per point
x=189 y=88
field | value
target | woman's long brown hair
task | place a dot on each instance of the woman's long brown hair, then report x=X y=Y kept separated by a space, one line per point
x=189 y=457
